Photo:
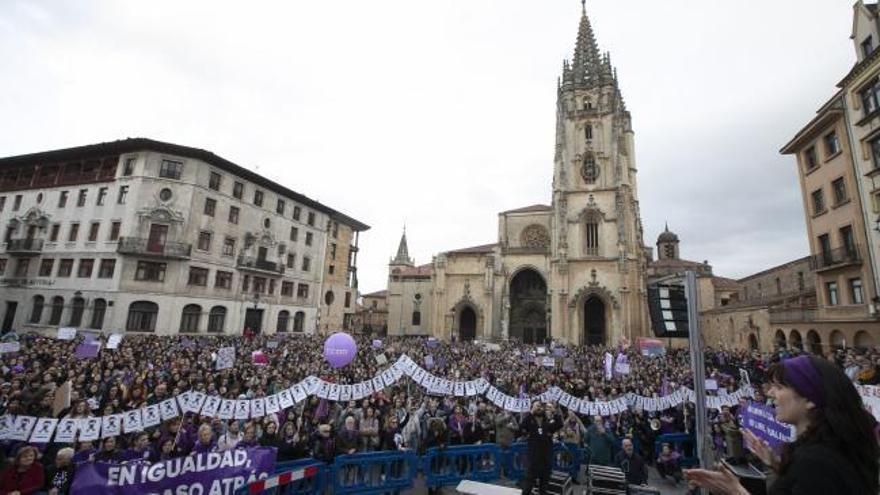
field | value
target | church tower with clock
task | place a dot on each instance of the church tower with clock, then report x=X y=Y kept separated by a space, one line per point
x=597 y=266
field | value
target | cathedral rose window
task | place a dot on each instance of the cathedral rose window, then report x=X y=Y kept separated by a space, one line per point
x=535 y=236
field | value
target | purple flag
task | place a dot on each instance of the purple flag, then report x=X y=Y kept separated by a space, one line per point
x=86 y=351
x=323 y=409
x=522 y=391
x=207 y=472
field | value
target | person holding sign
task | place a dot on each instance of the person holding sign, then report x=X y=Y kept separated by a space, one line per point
x=836 y=450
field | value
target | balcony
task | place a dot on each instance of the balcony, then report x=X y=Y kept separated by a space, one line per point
x=836 y=258
x=260 y=266
x=139 y=246
x=24 y=247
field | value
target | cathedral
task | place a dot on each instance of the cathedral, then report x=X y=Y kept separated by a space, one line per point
x=574 y=270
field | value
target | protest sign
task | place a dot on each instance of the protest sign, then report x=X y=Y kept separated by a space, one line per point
x=377 y=343
x=210 y=472
x=381 y=360
x=761 y=420
x=225 y=358
x=66 y=333
x=87 y=350
x=259 y=359
x=114 y=340
x=744 y=377
x=9 y=347
x=548 y=362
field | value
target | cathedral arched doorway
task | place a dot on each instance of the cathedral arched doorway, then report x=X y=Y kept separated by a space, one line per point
x=528 y=307
x=594 y=321
x=467 y=324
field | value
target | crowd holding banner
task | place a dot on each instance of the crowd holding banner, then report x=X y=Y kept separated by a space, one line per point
x=153 y=395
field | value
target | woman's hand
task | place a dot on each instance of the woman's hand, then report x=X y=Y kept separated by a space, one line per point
x=721 y=482
x=760 y=448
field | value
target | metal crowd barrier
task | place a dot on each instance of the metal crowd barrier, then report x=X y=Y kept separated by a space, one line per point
x=304 y=480
x=567 y=457
x=373 y=472
x=451 y=465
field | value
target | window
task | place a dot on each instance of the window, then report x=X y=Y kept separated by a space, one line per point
x=869 y=96
x=279 y=207
x=53 y=234
x=297 y=212
x=299 y=321
x=271 y=286
x=855 y=291
x=778 y=286
x=21 y=268
x=150 y=271
x=309 y=237
x=128 y=167
x=329 y=297
x=258 y=198
x=210 y=206
x=62 y=199
x=94 y=227
x=591 y=238
x=588 y=132
x=217 y=319
x=114 y=230
x=311 y=220
x=810 y=158
x=287 y=289
x=85 y=268
x=77 y=307
x=417 y=318
x=259 y=285
x=307 y=262
x=98 y=311
x=10 y=231
x=214 y=181
x=198 y=276
x=142 y=316
x=832 y=293
x=46 y=266
x=237 y=190
x=291 y=260
x=333 y=250
x=171 y=169
x=102 y=196
x=302 y=291
x=204 y=241
x=2 y=266
x=825 y=248
x=801 y=283
x=839 y=188
x=74 y=232
x=245 y=283
x=65 y=267
x=16 y=204
x=223 y=280
x=37 y=310
x=233 y=214
x=107 y=268
x=818 y=202
x=867 y=46
x=335 y=230
x=283 y=321
x=57 y=309
x=348 y=299
x=123 y=194
x=228 y=247
x=331 y=269
x=189 y=319
x=2 y=202
x=294 y=234
x=81 y=199
x=832 y=144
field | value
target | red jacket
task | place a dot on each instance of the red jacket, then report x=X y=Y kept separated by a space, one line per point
x=27 y=482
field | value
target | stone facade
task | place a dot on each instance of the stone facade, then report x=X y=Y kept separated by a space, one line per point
x=140 y=235
x=573 y=270
x=339 y=287
x=372 y=313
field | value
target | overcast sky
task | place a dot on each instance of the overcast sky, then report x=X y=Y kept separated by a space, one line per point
x=440 y=114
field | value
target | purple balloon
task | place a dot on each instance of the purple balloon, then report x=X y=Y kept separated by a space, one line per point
x=339 y=349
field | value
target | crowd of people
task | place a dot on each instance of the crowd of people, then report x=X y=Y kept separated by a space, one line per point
x=145 y=370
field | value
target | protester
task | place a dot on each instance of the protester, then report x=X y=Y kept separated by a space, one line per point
x=836 y=450
x=668 y=462
x=539 y=426
x=59 y=475
x=24 y=476
x=600 y=443
x=632 y=464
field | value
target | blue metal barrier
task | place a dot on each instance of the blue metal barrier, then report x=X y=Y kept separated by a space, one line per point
x=373 y=472
x=566 y=457
x=462 y=462
x=678 y=441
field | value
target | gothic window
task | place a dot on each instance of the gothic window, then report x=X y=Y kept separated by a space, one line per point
x=588 y=132
x=589 y=169
x=591 y=235
x=416 y=318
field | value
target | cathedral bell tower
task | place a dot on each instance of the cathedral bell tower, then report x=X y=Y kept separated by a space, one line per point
x=598 y=271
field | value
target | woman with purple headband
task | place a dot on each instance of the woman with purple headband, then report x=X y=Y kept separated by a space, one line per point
x=836 y=450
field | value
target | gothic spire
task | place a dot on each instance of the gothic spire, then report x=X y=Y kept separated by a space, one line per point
x=587 y=62
x=402 y=257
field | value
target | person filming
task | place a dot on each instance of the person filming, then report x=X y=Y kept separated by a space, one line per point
x=836 y=450
x=539 y=426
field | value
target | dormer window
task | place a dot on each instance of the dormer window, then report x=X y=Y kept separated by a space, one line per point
x=868 y=46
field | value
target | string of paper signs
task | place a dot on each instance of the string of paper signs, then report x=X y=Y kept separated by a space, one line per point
x=41 y=430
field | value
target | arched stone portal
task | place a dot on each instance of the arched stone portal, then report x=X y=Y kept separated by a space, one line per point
x=467 y=324
x=528 y=307
x=594 y=321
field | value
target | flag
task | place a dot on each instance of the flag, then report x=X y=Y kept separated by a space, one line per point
x=259 y=358
x=608 y=365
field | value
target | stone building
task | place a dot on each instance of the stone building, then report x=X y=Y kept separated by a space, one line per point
x=573 y=270
x=372 y=313
x=144 y=236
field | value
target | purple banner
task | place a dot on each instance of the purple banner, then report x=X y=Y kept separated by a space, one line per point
x=211 y=472
x=761 y=420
